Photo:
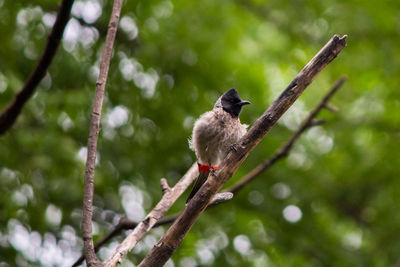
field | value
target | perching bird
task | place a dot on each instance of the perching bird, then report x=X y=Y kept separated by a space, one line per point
x=214 y=133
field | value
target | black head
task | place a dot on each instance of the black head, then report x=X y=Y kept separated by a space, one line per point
x=231 y=102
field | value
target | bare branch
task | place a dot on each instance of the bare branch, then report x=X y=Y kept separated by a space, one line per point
x=169 y=197
x=331 y=108
x=174 y=236
x=11 y=112
x=283 y=151
x=221 y=197
x=87 y=209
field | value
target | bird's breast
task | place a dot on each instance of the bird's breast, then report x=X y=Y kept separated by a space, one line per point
x=213 y=134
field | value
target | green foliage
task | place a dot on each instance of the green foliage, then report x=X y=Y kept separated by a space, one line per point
x=171 y=62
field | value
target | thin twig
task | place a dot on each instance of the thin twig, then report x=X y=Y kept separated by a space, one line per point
x=331 y=108
x=174 y=236
x=87 y=209
x=126 y=224
x=12 y=111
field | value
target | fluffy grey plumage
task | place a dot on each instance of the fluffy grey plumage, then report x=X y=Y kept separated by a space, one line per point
x=213 y=134
x=216 y=131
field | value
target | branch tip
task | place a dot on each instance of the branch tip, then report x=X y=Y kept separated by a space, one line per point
x=341 y=39
x=164 y=186
x=222 y=197
x=331 y=107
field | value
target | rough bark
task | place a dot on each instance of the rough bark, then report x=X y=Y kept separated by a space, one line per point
x=87 y=210
x=163 y=250
x=11 y=112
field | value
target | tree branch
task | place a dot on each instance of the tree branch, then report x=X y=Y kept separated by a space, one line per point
x=87 y=209
x=163 y=250
x=282 y=152
x=169 y=197
x=10 y=113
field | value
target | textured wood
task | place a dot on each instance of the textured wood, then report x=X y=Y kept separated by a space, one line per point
x=163 y=250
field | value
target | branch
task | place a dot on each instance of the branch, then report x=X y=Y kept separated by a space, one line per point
x=124 y=224
x=174 y=236
x=282 y=152
x=10 y=113
x=221 y=197
x=87 y=209
x=170 y=195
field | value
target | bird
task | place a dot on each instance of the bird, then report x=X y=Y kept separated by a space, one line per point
x=215 y=133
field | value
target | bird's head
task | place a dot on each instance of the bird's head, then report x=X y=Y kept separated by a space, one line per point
x=231 y=102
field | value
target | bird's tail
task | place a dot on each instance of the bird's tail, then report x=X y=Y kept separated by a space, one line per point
x=201 y=179
x=204 y=171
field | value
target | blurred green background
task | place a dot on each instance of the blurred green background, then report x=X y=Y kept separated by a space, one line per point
x=333 y=202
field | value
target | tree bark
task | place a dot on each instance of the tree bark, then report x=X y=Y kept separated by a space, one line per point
x=87 y=209
x=163 y=250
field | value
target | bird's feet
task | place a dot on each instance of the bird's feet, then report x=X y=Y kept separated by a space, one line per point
x=207 y=168
x=212 y=169
x=234 y=147
x=212 y=172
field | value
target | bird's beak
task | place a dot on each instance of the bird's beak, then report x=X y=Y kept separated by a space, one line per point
x=244 y=103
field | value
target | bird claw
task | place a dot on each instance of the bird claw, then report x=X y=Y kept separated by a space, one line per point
x=212 y=171
x=234 y=147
